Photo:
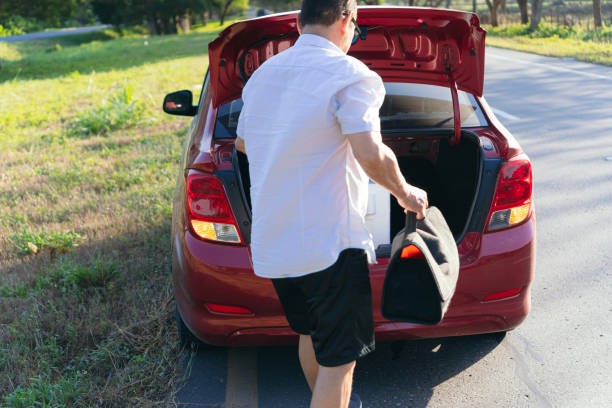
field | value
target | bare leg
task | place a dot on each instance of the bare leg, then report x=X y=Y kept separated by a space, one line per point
x=308 y=360
x=333 y=386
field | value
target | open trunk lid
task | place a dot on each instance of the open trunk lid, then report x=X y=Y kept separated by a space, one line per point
x=402 y=44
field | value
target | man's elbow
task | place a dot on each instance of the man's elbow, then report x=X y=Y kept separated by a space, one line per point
x=239 y=143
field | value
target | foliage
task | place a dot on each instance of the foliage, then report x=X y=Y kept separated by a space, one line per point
x=545 y=30
x=16 y=25
x=68 y=274
x=23 y=16
x=44 y=392
x=226 y=7
x=162 y=16
x=573 y=42
x=277 y=5
x=27 y=242
x=119 y=111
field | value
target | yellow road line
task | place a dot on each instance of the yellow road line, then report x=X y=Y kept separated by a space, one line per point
x=241 y=388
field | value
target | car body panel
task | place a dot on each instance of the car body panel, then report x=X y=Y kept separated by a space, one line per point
x=403 y=44
x=223 y=274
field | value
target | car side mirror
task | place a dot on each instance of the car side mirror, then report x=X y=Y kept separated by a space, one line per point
x=180 y=103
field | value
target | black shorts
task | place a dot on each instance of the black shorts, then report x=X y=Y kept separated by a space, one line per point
x=334 y=306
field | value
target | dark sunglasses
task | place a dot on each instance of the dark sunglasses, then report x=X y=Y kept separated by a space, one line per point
x=357 y=29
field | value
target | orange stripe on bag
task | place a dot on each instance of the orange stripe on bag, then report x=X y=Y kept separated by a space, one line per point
x=412 y=251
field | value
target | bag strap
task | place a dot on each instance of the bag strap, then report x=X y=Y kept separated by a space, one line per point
x=410 y=222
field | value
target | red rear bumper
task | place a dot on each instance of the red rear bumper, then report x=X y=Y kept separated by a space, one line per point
x=222 y=274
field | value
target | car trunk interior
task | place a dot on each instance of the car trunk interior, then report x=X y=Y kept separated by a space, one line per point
x=450 y=177
x=449 y=174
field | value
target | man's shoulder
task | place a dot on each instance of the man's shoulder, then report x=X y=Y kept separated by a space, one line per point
x=334 y=62
x=358 y=66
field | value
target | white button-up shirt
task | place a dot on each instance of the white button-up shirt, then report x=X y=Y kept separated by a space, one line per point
x=309 y=194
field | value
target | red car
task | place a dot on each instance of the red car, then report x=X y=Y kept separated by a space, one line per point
x=446 y=139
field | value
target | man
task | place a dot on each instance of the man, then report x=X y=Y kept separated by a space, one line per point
x=311 y=131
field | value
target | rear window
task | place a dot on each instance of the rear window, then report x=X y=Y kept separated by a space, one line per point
x=420 y=106
x=406 y=106
x=227 y=119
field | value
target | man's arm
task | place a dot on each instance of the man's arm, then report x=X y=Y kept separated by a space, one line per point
x=380 y=164
x=239 y=143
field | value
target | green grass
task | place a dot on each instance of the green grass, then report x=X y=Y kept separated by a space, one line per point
x=88 y=163
x=68 y=274
x=26 y=242
x=570 y=42
x=45 y=392
x=118 y=111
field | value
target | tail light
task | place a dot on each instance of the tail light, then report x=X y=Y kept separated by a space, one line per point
x=209 y=213
x=512 y=202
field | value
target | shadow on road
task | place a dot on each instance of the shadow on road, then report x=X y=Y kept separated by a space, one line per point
x=384 y=378
x=409 y=380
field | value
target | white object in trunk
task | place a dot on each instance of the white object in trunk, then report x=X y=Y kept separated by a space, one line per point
x=378 y=215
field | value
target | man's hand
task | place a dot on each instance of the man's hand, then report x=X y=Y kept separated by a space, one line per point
x=239 y=143
x=415 y=200
x=380 y=164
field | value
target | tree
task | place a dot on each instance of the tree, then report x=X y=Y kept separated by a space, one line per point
x=536 y=13
x=278 y=5
x=224 y=7
x=428 y=3
x=162 y=16
x=49 y=12
x=493 y=7
x=597 y=13
x=523 y=9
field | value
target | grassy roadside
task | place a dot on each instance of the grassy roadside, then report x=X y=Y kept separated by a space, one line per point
x=570 y=42
x=87 y=168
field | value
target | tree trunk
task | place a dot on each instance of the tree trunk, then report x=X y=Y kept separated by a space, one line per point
x=494 y=21
x=473 y=6
x=523 y=8
x=597 y=13
x=185 y=23
x=204 y=18
x=536 y=13
x=493 y=7
x=168 y=25
x=448 y=4
x=226 y=6
x=152 y=24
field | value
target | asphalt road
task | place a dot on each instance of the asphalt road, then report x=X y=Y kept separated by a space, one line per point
x=54 y=33
x=561 y=356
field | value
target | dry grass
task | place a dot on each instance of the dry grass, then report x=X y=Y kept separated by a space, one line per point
x=86 y=295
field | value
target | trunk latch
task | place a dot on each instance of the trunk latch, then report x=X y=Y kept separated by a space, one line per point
x=449 y=61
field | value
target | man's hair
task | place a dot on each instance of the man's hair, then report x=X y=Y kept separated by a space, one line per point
x=324 y=12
